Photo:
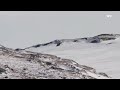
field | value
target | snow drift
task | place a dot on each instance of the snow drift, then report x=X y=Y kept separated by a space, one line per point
x=101 y=52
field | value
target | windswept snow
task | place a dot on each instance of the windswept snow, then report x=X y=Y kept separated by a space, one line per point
x=103 y=56
x=64 y=59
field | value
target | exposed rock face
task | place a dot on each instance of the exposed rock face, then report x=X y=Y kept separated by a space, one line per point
x=95 y=39
x=31 y=65
x=2 y=70
x=105 y=37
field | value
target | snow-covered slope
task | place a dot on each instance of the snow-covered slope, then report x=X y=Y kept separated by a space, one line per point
x=101 y=52
x=32 y=65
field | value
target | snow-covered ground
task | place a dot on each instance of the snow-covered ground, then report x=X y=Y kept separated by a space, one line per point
x=104 y=56
x=31 y=65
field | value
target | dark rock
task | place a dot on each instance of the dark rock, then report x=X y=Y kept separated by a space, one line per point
x=93 y=40
x=37 y=46
x=18 y=49
x=58 y=42
x=48 y=63
x=2 y=70
x=6 y=76
x=75 y=41
x=104 y=74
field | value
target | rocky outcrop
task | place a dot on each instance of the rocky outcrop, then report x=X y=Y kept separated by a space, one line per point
x=105 y=37
x=30 y=65
x=94 y=39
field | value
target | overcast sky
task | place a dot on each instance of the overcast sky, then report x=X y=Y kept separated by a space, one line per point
x=20 y=29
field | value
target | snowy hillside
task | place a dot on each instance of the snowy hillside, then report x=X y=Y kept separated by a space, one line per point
x=31 y=65
x=101 y=52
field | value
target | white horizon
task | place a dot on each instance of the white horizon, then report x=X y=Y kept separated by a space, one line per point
x=20 y=29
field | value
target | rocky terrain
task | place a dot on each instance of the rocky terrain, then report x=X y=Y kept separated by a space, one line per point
x=31 y=63
x=15 y=64
x=94 y=39
x=100 y=52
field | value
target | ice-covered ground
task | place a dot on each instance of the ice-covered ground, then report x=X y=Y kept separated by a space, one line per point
x=104 y=56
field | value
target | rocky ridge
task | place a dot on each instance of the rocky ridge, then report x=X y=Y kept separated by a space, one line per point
x=31 y=65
